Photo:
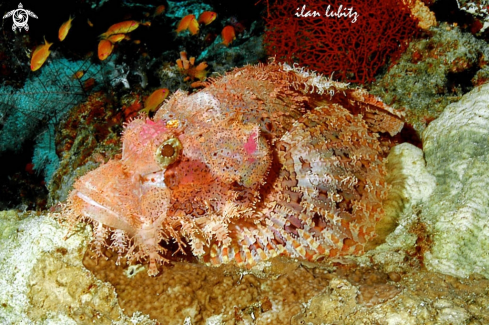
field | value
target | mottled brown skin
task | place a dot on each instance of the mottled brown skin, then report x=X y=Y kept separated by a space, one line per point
x=264 y=161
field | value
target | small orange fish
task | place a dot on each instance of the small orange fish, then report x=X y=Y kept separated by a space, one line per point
x=40 y=55
x=121 y=28
x=78 y=74
x=154 y=100
x=116 y=38
x=207 y=17
x=89 y=23
x=228 y=35
x=184 y=24
x=193 y=27
x=105 y=48
x=159 y=10
x=64 y=29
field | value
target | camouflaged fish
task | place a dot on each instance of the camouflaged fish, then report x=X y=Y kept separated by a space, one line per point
x=267 y=160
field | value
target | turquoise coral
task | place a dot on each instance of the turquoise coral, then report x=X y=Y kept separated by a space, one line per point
x=34 y=111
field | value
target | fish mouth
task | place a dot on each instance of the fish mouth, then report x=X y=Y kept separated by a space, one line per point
x=104 y=214
x=154 y=179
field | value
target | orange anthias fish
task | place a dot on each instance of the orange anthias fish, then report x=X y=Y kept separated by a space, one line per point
x=188 y=22
x=193 y=27
x=64 y=29
x=154 y=100
x=78 y=74
x=116 y=38
x=159 y=10
x=105 y=48
x=184 y=22
x=40 y=55
x=228 y=35
x=207 y=17
x=121 y=28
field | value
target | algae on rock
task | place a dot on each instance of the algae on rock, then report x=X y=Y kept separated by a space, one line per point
x=432 y=73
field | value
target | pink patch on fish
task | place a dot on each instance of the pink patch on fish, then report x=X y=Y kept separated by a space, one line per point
x=251 y=146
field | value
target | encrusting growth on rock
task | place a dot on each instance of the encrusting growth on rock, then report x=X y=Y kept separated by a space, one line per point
x=267 y=160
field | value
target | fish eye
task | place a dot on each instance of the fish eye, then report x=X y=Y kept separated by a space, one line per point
x=168 y=152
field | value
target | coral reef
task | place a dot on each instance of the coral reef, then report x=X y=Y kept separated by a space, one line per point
x=45 y=279
x=444 y=301
x=270 y=195
x=434 y=72
x=456 y=152
x=36 y=260
x=479 y=9
x=198 y=294
x=43 y=100
x=24 y=235
x=36 y=109
x=352 y=48
x=266 y=160
x=87 y=136
x=80 y=297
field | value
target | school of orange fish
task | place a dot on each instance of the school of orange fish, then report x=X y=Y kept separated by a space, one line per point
x=119 y=32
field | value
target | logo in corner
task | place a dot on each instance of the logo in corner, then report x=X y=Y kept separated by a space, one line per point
x=20 y=17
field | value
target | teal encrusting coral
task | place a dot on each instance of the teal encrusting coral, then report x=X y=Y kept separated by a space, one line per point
x=45 y=159
x=34 y=111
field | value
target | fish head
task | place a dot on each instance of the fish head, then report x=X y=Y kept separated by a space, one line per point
x=127 y=193
x=170 y=168
x=219 y=151
x=149 y=147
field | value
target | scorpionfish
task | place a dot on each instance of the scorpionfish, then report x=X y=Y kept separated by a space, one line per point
x=266 y=160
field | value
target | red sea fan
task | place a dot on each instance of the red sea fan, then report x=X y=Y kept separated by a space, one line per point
x=353 y=47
